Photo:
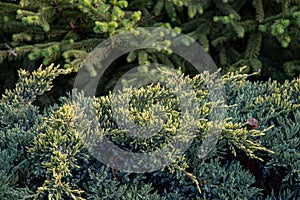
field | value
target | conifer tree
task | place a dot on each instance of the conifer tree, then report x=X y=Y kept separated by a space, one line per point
x=262 y=35
x=64 y=32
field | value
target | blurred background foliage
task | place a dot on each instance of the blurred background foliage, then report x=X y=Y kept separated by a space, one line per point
x=261 y=35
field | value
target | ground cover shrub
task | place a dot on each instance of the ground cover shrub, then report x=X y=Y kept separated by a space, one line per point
x=43 y=155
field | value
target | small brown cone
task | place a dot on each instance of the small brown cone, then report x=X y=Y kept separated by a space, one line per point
x=252 y=123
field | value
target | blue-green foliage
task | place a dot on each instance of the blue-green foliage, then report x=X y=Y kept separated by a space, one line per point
x=43 y=157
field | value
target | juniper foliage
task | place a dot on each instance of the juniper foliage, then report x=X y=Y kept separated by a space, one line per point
x=43 y=155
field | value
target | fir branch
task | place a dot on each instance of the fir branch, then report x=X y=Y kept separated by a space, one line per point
x=258 y=5
x=254 y=45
